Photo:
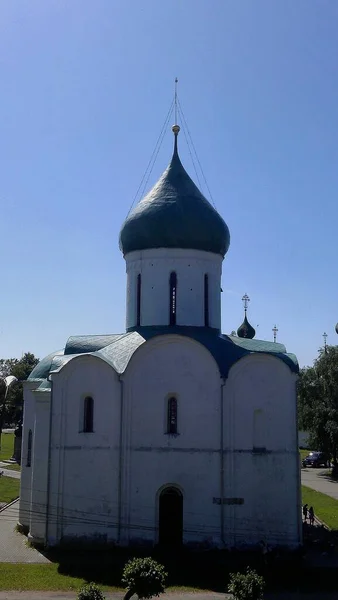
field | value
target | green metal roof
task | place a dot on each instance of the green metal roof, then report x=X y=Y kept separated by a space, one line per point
x=117 y=350
x=175 y=214
x=42 y=369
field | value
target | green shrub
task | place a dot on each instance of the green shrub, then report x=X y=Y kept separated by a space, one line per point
x=144 y=577
x=90 y=591
x=246 y=586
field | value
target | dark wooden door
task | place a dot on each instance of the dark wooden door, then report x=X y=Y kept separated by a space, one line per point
x=171 y=517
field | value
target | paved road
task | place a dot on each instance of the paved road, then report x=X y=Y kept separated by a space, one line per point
x=13 y=546
x=168 y=596
x=9 y=472
x=319 y=480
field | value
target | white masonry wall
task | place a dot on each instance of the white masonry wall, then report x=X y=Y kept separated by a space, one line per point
x=26 y=471
x=262 y=459
x=190 y=266
x=39 y=468
x=163 y=367
x=85 y=467
x=105 y=485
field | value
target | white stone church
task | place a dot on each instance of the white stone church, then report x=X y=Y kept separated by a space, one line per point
x=170 y=432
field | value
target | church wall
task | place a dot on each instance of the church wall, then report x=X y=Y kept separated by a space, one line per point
x=26 y=471
x=190 y=267
x=40 y=460
x=85 y=466
x=262 y=462
x=163 y=367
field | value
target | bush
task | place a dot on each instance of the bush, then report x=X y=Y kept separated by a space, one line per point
x=90 y=591
x=246 y=586
x=144 y=577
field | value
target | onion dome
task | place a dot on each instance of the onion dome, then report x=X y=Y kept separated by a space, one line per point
x=336 y=328
x=175 y=214
x=246 y=330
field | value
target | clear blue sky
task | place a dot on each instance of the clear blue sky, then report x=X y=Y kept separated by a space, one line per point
x=85 y=88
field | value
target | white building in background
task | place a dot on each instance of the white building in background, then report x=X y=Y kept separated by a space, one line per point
x=170 y=432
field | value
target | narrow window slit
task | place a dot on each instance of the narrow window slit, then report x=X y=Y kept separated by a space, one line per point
x=206 y=300
x=138 y=301
x=88 y=415
x=29 y=448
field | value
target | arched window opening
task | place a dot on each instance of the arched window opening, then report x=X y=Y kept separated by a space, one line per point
x=88 y=415
x=206 y=300
x=138 y=301
x=172 y=416
x=29 y=448
x=173 y=298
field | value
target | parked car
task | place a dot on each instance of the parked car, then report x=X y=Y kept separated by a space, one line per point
x=316 y=459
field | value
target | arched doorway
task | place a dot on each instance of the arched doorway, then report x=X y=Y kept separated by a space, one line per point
x=171 y=517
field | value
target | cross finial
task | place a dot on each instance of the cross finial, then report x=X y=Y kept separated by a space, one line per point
x=275 y=331
x=175 y=128
x=325 y=344
x=245 y=301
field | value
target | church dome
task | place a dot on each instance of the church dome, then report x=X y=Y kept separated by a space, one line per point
x=175 y=214
x=246 y=330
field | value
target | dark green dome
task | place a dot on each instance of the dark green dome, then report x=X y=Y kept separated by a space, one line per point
x=175 y=214
x=246 y=330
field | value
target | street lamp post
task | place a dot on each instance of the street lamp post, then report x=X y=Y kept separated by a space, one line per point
x=8 y=381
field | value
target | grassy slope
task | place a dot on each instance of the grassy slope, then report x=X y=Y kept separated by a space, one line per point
x=325 y=507
x=7 y=446
x=9 y=489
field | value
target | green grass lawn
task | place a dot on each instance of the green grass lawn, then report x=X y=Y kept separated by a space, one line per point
x=39 y=577
x=303 y=454
x=13 y=467
x=9 y=489
x=7 y=446
x=325 y=507
x=7 y=449
x=48 y=578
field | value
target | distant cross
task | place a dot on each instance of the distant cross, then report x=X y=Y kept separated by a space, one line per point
x=246 y=301
x=325 y=344
x=275 y=331
x=176 y=82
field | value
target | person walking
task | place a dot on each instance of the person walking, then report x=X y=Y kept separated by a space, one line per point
x=305 y=511
x=311 y=516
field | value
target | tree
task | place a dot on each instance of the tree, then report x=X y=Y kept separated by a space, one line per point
x=318 y=401
x=144 y=577
x=246 y=586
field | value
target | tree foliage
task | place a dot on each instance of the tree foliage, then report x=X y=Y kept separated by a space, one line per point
x=318 y=401
x=144 y=577
x=90 y=591
x=246 y=586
